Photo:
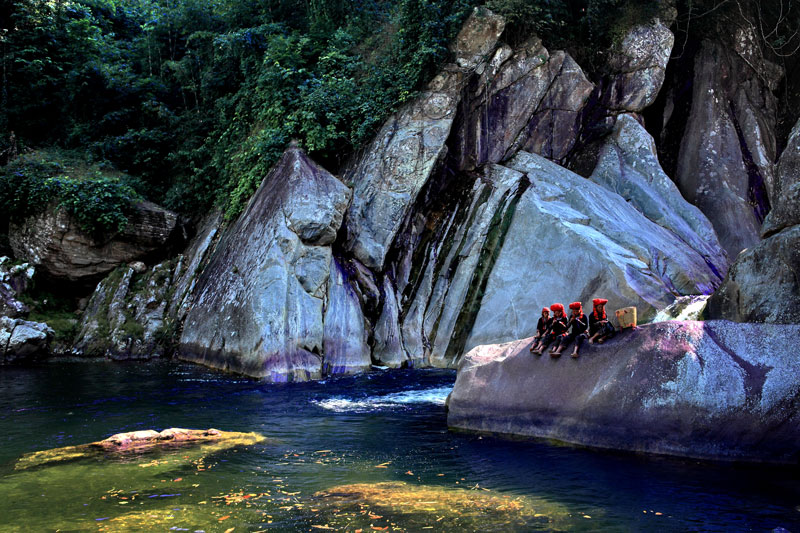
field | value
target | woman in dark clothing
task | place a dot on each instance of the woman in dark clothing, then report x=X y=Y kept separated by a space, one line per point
x=579 y=323
x=600 y=328
x=558 y=327
x=541 y=327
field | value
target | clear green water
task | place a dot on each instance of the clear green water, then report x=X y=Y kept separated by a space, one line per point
x=368 y=452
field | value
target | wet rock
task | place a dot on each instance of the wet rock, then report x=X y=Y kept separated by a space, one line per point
x=711 y=390
x=441 y=315
x=258 y=307
x=725 y=163
x=23 y=340
x=628 y=165
x=394 y=168
x=388 y=349
x=764 y=283
x=572 y=240
x=137 y=442
x=639 y=64
x=60 y=250
x=344 y=333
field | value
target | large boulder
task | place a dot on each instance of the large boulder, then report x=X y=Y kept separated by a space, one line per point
x=763 y=285
x=22 y=340
x=638 y=65
x=397 y=164
x=728 y=148
x=572 y=240
x=711 y=390
x=259 y=307
x=628 y=165
x=61 y=250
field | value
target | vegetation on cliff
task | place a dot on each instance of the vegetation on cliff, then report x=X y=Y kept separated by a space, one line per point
x=198 y=99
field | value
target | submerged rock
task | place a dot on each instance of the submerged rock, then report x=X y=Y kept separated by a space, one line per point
x=259 y=307
x=711 y=390
x=54 y=242
x=141 y=441
x=426 y=506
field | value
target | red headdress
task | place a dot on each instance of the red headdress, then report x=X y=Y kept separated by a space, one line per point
x=545 y=310
x=575 y=305
x=557 y=307
x=596 y=302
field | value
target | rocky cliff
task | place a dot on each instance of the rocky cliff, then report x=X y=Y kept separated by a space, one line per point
x=514 y=179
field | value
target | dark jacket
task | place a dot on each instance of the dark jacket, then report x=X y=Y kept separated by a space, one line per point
x=543 y=325
x=559 y=326
x=578 y=324
x=595 y=323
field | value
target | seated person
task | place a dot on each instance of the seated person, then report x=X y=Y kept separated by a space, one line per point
x=542 y=326
x=579 y=324
x=600 y=327
x=558 y=327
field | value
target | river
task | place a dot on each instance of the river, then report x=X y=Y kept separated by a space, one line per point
x=369 y=453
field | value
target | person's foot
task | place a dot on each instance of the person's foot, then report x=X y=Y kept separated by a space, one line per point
x=601 y=341
x=575 y=355
x=555 y=354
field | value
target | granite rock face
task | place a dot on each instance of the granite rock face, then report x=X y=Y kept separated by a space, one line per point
x=638 y=65
x=22 y=340
x=763 y=285
x=55 y=244
x=571 y=240
x=728 y=148
x=258 y=308
x=525 y=99
x=628 y=165
x=710 y=390
x=393 y=169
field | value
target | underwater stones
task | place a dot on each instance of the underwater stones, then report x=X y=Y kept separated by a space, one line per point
x=54 y=242
x=725 y=163
x=571 y=240
x=258 y=307
x=638 y=65
x=21 y=340
x=135 y=442
x=712 y=390
x=628 y=165
x=426 y=506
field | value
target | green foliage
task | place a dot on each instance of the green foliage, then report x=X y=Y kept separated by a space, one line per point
x=56 y=312
x=100 y=202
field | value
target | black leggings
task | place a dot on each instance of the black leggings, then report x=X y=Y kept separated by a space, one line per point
x=564 y=341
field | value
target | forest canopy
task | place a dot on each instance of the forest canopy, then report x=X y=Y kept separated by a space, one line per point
x=194 y=100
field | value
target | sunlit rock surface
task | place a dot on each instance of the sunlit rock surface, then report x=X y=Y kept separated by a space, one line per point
x=571 y=240
x=142 y=441
x=54 y=242
x=14 y=279
x=712 y=390
x=258 y=308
